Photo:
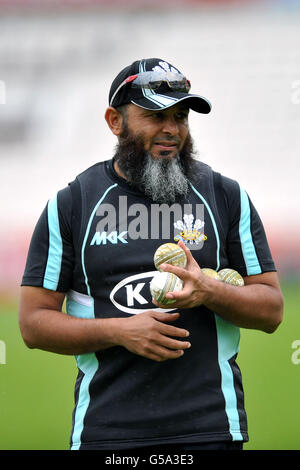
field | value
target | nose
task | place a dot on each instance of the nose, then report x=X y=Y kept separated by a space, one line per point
x=170 y=126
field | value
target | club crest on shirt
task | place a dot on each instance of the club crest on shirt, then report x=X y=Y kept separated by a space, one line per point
x=190 y=231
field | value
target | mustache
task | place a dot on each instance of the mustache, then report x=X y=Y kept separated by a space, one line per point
x=168 y=138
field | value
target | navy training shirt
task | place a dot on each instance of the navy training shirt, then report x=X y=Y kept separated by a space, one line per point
x=95 y=241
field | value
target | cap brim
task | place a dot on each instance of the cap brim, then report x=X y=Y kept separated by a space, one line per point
x=159 y=101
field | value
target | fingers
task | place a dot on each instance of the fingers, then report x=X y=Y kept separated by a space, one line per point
x=174 y=344
x=191 y=275
x=173 y=331
x=181 y=300
x=170 y=330
x=186 y=250
x=192 y=267
x=150 y=335
x=161 y=316
x=178 y=295
x=180 y=272
x=164 y=355
x=166 y=348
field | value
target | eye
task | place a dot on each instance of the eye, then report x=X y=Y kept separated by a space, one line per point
x=182 y=115
x=158 y=115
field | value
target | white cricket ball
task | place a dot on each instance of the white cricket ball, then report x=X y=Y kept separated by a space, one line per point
x=211 y=273
x=163 y=282
x=230 y=276
x=170 y=253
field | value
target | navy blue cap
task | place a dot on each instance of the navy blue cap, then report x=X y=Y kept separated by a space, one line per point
x=147 y=98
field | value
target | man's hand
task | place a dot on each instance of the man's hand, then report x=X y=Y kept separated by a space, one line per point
x=194 y=290
x=257 y=305
x=147 y=334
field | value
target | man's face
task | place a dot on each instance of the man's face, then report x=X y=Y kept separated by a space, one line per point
x=162 y=132
x=155 y=152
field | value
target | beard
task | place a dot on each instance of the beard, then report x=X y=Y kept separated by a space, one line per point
x=164 y=180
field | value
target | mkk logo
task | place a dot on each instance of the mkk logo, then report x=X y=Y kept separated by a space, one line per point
x=101 y=238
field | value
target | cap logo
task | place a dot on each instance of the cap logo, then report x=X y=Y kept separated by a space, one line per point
x=165 y=67
x=161 y=101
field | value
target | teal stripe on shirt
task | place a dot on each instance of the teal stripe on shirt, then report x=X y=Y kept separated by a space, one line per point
x=87 y=234
x=213 y=224
x=248 y=248
x=54 y=260
x=228 y=345
x=228 y=337
x=88 y=364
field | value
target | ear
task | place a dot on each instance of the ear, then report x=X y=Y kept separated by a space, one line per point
x=114 y=120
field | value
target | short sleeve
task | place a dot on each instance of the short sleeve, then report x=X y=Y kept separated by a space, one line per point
x=50 y=259
x=247 y=246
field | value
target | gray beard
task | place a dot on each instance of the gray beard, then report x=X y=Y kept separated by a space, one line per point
x=163 y=179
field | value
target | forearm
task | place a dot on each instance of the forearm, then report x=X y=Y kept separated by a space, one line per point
x=147 y=334
x=60 y=333
x=256 y=306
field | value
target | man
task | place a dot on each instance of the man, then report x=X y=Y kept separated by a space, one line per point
x=150 y=375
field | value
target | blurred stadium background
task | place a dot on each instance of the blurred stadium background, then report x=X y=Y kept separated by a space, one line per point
x=57 y=61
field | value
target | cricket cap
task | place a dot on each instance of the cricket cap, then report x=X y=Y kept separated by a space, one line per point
x=154 y=84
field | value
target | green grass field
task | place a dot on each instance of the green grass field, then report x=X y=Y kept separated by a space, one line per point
x=36 y=387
